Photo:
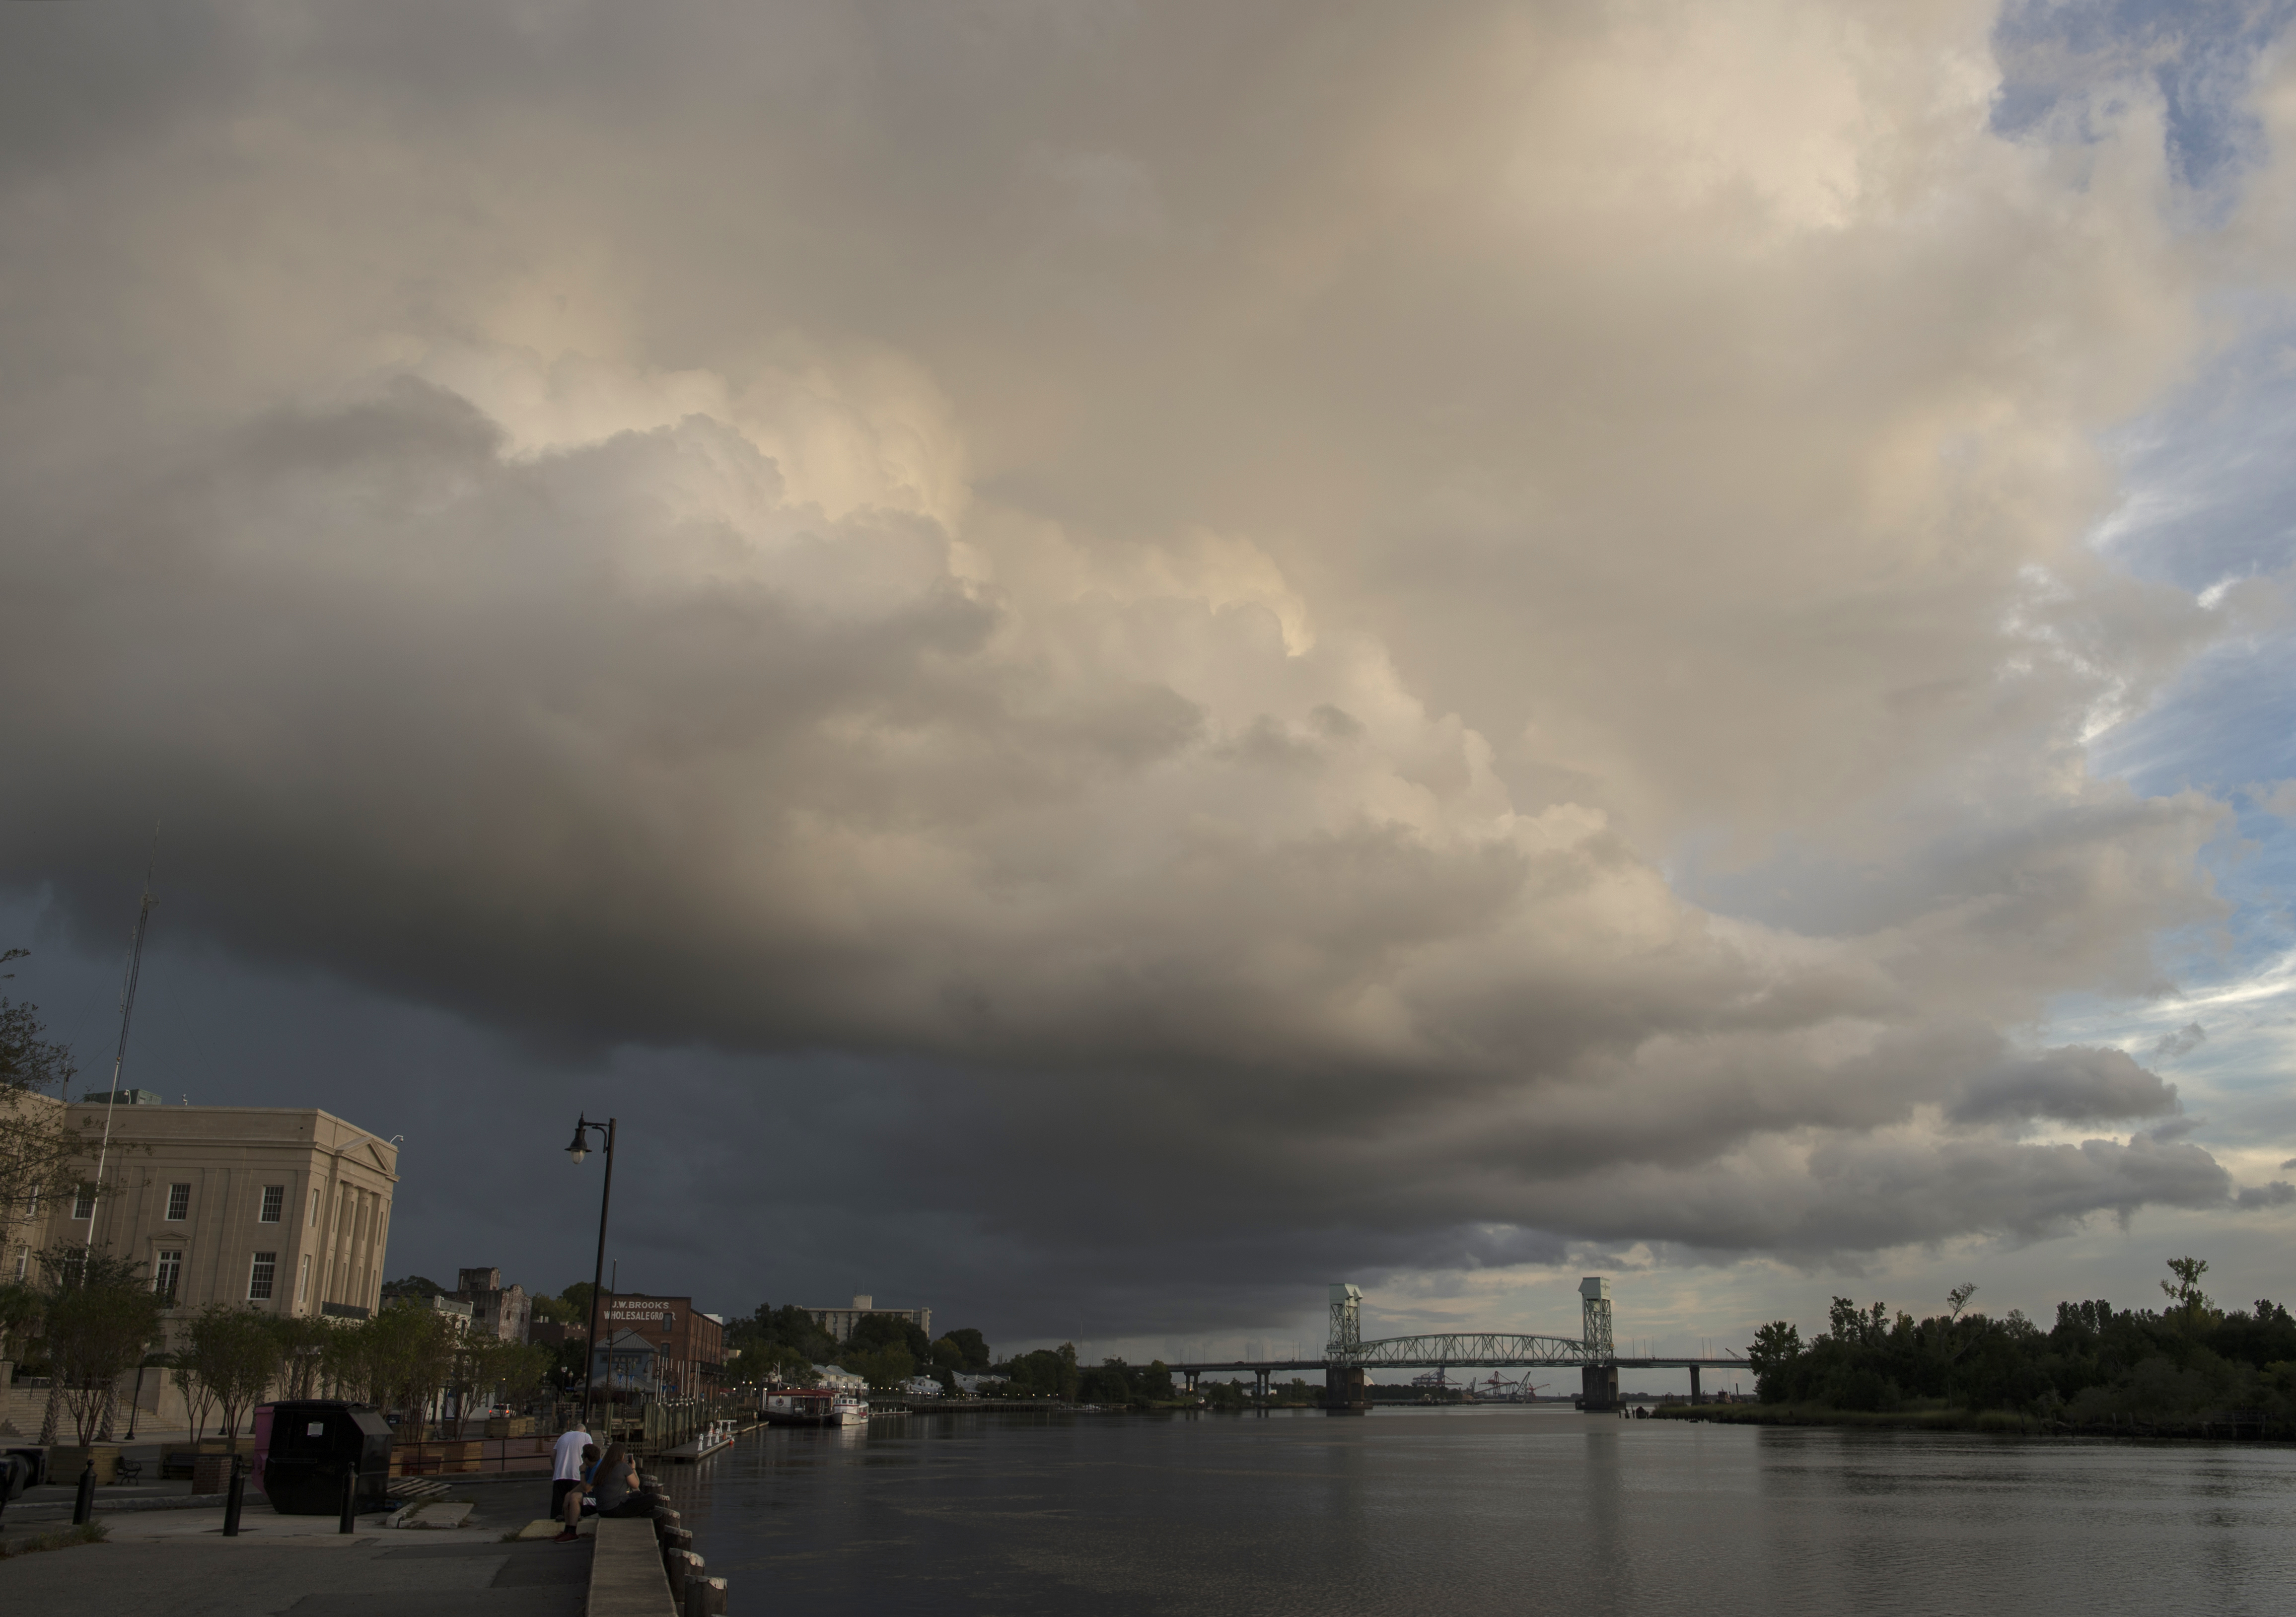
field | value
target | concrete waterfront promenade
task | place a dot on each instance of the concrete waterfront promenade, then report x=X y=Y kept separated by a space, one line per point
x=177 y=1561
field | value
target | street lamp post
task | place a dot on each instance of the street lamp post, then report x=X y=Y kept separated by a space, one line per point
x=579 y=1149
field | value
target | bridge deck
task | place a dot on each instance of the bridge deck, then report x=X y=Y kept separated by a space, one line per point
x=1462 y=1361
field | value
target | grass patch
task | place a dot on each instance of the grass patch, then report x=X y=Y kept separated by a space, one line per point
x=61 y=1538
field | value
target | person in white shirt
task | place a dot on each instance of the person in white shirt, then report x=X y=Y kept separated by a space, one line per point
x=566 y=1465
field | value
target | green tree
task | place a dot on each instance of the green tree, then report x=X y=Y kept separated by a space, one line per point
x=569 y=1360
x=891 y=1331
x=1046 y=1373
x=885 y=1368
x=415 y=1349
x=300 y=1344
x=234 y=1353
x=40 y=1151
x=395 y=1359
x=766 y=1361
x=2185 y=1290
x=100 y=1318
x=1114 y=1382
x=28 y=1058
x=198 y=1400
x=486 y=1367
x=557 y=1310
x=1776 y=1347
x=785 y=1343
x=962 y=1350
x=19 y=1316
x=2121 y=1369
x=421 y=1287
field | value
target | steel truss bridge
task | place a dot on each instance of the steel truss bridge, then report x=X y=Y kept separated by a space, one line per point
x=1347 y=1358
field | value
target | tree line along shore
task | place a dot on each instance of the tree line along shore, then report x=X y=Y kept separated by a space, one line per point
x=2186 y=1369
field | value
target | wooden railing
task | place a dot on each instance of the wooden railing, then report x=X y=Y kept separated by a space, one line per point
x=469 y=1456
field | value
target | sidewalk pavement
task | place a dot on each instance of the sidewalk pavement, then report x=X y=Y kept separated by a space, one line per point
x=178 y=1561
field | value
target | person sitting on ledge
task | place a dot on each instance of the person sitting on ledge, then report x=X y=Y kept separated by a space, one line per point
x=570 y=1458
x=611 y=1490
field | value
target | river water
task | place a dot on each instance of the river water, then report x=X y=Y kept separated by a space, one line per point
x=1496 y=1509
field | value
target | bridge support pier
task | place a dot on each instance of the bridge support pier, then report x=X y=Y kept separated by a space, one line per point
x=1598 y=1389
x=1693 y=1386
x=1191 y=1375
x=1347 y=1390
x=1259 y=1389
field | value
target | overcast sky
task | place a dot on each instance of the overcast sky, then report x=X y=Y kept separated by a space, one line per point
x=1100 y=662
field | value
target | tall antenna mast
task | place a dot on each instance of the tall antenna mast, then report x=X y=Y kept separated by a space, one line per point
x=120 y=1056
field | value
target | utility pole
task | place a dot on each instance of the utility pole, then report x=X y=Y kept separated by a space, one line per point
x=120 y=1055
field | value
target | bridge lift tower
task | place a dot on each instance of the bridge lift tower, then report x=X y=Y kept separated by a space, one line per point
x=1598 y=1376
x=1347 y=1388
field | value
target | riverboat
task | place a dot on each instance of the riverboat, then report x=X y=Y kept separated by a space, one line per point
x=814 y=1406
x=709 y=1440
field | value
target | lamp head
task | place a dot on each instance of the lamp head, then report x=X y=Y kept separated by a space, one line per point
x=580 y=1148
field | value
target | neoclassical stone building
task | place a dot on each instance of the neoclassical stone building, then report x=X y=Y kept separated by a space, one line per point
x=281 y=1209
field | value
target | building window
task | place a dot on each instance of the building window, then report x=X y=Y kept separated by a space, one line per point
x=314 y=1207
x=23 y=1261
x=259 y=1278
x=179 y=1203
x=303 y=1281
x=275 y=1199
x=85 y=1206
x=169 y=1273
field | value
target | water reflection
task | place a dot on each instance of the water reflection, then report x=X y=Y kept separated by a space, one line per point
x=1490 y=1508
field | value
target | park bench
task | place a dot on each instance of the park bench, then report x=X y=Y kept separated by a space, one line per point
x=127 y=1471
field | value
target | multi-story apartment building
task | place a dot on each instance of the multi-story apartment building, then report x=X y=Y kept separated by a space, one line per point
x=286 y=1209
x=839 y=1322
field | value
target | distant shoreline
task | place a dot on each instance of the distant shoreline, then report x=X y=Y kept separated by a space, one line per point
x=2246 y=1425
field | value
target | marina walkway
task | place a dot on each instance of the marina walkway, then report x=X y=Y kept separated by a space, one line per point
x=178 y=1561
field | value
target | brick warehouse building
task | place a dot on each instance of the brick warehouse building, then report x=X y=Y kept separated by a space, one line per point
x=689 y=1345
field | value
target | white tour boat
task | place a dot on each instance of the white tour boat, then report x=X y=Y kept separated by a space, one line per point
x=814 y=1406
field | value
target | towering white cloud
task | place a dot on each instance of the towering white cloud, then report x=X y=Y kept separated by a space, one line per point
x=1496 y=594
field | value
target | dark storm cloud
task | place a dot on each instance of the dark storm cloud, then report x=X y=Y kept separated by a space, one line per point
x=2071 y=1085
x=1136 y=681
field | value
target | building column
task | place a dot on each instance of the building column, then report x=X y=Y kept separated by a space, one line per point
x=338 y=1219
x=376 y=1234
x=360 y=1214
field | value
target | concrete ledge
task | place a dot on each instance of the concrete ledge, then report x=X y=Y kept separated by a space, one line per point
x=626 y=1575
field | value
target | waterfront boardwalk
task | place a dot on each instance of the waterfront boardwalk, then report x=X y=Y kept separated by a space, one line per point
x=178 y=1561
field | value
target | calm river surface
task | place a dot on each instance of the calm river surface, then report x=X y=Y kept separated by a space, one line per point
x=1489 y=1509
